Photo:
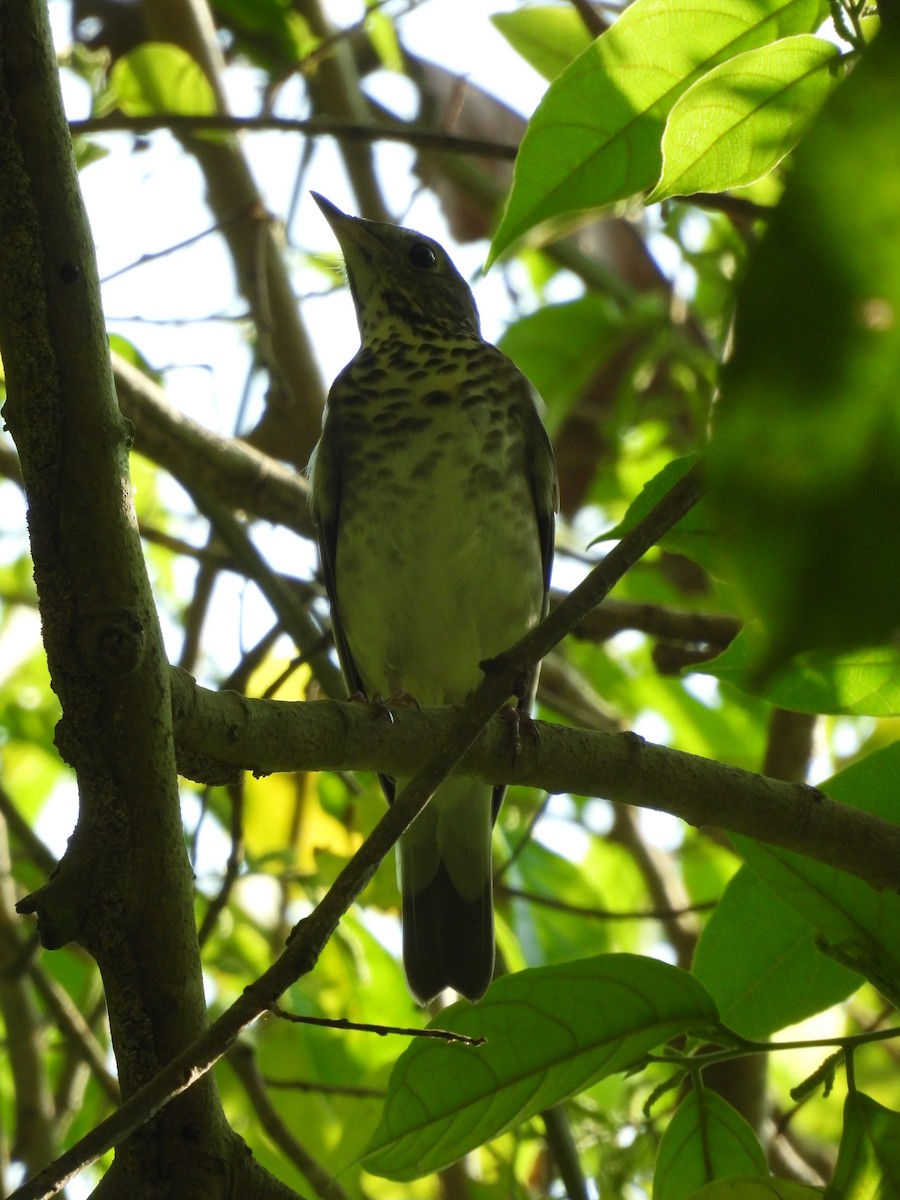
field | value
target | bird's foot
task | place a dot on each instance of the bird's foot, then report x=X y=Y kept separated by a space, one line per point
x=520 y=723
x=378 y=703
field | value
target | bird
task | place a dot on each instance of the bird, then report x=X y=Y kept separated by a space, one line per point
x=434 y=492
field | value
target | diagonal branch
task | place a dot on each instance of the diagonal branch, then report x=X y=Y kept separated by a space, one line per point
x=310 y=935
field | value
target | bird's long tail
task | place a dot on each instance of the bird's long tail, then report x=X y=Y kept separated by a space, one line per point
x=445 y=879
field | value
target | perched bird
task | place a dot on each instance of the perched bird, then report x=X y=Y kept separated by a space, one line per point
x=434 y=492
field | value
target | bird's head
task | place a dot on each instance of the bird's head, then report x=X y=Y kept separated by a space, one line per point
x=400 y=280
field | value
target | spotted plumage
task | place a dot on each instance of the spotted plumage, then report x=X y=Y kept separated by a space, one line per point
x=434 y=493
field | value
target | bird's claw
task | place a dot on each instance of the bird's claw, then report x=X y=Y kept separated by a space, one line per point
x=378 y=703
x=519 y=722
x=384 y=705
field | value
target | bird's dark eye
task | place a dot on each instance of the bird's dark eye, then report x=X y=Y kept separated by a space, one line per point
x=422 y=256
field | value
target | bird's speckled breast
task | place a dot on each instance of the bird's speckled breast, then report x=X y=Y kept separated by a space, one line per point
x=438 y=555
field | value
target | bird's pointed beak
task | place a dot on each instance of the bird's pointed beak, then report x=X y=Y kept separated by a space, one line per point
x=330 y=212
x=364 y=255
x=345 y=227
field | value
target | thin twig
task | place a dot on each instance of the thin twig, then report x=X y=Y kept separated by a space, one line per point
x=353 y=1090
x=428 y=139
x=441 y=1035
x=155 y=255
x=558 y=1131
x=24 y=836
x=605 y=914
x=663 y=882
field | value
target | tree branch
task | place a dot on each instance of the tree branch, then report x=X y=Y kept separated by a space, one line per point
x=271 y=735
x=123 y=888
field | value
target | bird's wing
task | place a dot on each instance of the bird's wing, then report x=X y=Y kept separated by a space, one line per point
x=544 y=488
x=325 y=477
x=542 y=477
x=544 y=484
x=325 y=491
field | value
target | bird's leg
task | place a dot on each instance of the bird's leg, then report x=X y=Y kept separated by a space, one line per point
x=519 y=722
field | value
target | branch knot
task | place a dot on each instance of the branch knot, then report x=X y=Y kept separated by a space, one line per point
x=111 y=643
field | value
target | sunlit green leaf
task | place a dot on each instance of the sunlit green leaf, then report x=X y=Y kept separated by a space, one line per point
x=858 y=682
x=595 y=137
x=547 y=38
x=739 y=120
x=694 y=535
x=561 y=346
x=383 y=37
x=158 y=77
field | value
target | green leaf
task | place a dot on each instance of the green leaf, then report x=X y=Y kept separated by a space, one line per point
x=738 y=122
x=694 y=535
x=551 y=1032
x=705 y=1140
x=158 y=77
x=868 y=1165
x=757 y=1189
x=861 y=925
x=595 y=137
x=551 y=934
x=853 y=682
x=547 y=38
x=649 y=496
x=758 y=959
x=803 y=461
x=269 y=32
x=560 y=347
